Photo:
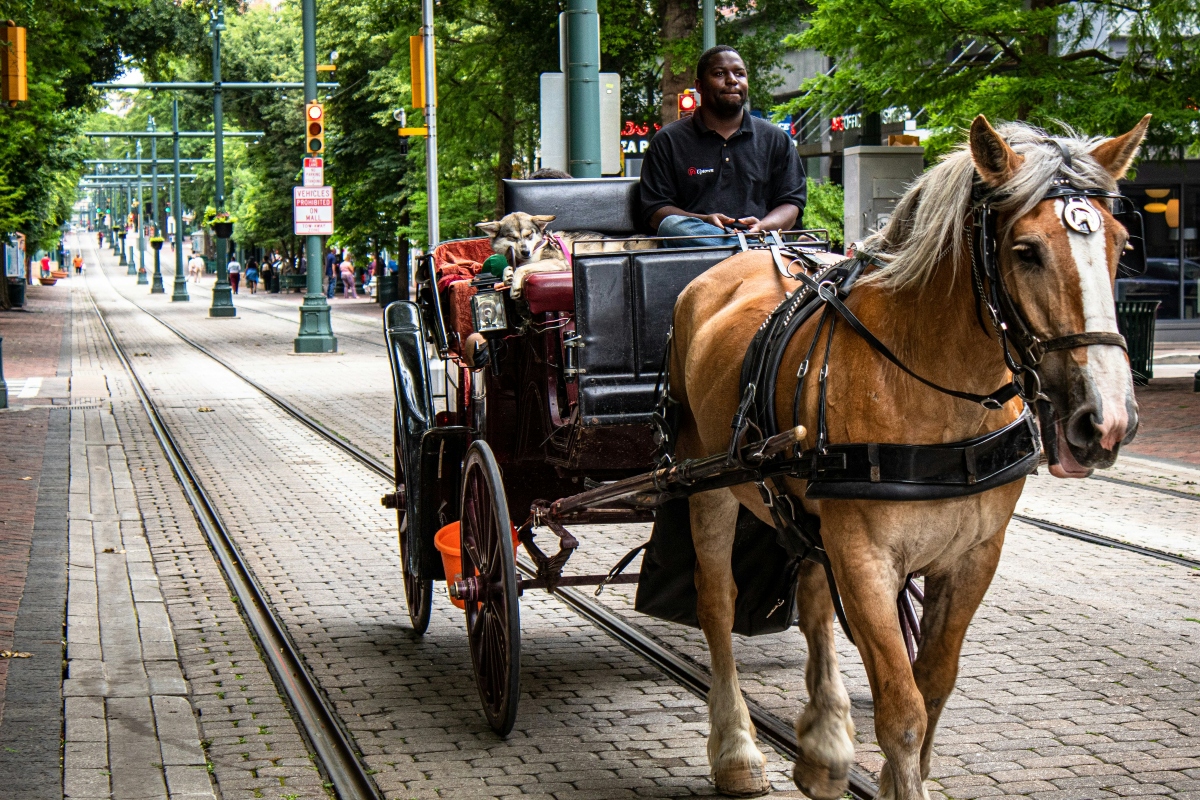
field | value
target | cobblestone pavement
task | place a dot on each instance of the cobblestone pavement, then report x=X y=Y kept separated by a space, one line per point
x=1079 y=677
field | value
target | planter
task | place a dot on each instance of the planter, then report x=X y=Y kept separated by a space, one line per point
x=156 y=244
x=223 y=230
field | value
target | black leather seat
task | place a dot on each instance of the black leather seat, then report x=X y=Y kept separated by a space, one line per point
x=610 y=206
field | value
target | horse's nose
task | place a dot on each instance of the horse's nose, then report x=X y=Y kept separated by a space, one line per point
x=1090 y=422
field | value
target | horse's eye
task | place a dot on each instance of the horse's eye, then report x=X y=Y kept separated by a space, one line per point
x=1027 y=255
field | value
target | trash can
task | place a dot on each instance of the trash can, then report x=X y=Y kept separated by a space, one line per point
x=1135 y=320
x=389 y=289
x=16 y=292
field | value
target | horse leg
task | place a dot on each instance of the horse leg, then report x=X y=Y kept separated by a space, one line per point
x=738 y=768
x=869 y=583
x=824 y=731
x=951 y=598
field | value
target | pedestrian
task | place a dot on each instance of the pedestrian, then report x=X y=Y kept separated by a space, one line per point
x=268 y=274
x=347 y=268
x=252 y=276
x=77 y=262
x=195 y=267
x=330 y=260
x=45 y=264
x=99 y=238
x=235 y=273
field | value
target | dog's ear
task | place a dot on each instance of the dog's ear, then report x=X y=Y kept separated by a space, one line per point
x=542 y=220
x=490 y=228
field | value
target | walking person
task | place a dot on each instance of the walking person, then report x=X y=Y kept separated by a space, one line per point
x=330 y=275
x=347 y=268
x=77 y=262
x=195 y=267
x=268 y=273
x=252 y=275
x=235 y=273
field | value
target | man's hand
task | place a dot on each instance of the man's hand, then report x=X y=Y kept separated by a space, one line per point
x=717 y=220
x=752 y=224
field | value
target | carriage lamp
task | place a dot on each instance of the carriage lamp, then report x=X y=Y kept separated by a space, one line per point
x=487 y=311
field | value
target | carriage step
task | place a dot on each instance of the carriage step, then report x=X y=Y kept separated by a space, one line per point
x=394 y=499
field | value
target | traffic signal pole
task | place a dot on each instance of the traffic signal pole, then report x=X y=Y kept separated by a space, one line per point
x=222 y=295
x=583 y=87
x=316 y=330
x=431 y=152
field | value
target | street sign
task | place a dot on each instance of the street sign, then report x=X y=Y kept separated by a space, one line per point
x=314 y=172
x=312 y=209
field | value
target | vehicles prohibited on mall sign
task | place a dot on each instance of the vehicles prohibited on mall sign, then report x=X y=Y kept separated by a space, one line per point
x=312 y=209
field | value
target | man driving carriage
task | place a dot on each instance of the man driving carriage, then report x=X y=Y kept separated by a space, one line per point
x=722 y=167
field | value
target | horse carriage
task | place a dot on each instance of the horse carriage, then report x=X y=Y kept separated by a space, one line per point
x=569 y=407
x=605 y=393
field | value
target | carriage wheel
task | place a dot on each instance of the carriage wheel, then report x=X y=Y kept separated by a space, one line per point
x=490 y=588
x=418 y=593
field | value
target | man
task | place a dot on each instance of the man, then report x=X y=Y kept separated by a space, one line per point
x=330 y=260
x=77 y=262
x=721 y=168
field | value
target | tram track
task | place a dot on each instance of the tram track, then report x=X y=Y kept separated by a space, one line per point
x=315 y=715
x=681 y=668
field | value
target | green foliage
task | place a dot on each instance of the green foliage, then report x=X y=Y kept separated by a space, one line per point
x=826 y=209
x=1043 y=61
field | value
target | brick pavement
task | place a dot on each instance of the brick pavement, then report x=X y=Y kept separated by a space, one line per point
x=33 y=476
x=1082 y=658
x=1170 y=421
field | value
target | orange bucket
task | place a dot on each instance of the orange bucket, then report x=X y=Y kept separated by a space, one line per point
x=448 y=542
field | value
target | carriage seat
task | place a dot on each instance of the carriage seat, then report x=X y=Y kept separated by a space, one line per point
x=550 y=291
x=611 y=206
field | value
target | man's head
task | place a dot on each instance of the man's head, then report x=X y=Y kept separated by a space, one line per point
x=721 y=81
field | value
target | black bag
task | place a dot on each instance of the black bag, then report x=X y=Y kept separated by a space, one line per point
x=765 y=575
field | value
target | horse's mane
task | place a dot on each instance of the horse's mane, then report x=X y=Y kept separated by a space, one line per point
x=927 y=225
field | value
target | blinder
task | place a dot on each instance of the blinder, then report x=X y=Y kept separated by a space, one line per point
x=1133 y=261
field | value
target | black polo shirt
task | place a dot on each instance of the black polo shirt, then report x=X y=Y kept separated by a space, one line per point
x=747 y=175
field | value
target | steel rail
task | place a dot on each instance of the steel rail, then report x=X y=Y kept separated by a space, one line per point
x=1107 y=541
x=1160 y=489
x=318 y=719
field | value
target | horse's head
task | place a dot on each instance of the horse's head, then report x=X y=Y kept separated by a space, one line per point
x=1057 y=258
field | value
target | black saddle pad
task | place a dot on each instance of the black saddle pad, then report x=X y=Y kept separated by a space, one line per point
x=764 y=573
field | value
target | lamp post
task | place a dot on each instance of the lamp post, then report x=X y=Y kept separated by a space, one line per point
x=142 y=278
x=156 y=286
x=125 y=239
x=180 y=292
x=222 y=295
x=316 y=332
x=583 y=88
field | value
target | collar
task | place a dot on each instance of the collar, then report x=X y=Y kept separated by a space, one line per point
x=746 y=128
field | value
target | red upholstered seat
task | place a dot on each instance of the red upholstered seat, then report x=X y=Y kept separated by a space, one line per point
x=550 y=291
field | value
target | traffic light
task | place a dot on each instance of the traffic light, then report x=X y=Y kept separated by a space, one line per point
x=13 y=86
x=687 y=102
x=314 y=117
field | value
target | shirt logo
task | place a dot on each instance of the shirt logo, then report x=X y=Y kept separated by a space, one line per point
x=700 y=170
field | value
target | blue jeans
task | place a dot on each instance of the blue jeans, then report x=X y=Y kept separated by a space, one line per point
x=332 y=286
x=679 y=225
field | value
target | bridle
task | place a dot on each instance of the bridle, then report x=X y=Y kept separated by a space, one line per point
x=1023 y=348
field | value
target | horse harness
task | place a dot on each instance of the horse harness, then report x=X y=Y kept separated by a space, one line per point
x=879 y=471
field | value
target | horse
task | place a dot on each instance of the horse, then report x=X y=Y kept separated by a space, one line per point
x=919 y=299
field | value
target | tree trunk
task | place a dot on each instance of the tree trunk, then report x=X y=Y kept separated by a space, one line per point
x=678 y=22
x=508 y=151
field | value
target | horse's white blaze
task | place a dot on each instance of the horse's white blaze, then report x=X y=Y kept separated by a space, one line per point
x=1106 y=365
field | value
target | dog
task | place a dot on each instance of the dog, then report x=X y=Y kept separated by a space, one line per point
x=536 y=250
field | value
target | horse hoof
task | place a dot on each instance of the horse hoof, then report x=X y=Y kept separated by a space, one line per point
x=746 y=782
x=820 y=781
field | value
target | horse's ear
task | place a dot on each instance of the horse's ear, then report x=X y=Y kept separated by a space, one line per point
x=995 y=161
x=1115 y=155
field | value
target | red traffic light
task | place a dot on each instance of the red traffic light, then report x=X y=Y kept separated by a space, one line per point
x=687 y=102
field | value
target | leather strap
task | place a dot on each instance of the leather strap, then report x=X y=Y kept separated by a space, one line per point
x=1076 y=340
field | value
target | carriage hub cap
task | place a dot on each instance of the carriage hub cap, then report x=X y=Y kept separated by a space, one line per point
x=1081 y=216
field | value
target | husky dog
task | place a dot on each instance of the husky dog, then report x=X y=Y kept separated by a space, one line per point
x=536 y=251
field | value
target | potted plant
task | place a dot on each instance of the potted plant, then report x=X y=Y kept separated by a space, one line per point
x=157 y=242
x=220 y=221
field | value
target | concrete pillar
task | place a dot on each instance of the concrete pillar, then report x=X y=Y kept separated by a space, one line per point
x=874 y=179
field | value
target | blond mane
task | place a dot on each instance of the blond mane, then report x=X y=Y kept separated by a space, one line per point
x=929 y=222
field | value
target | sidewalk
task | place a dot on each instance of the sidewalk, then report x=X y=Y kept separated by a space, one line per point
x=76 y=570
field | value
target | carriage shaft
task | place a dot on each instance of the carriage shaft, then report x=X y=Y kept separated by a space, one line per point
x=687 y=477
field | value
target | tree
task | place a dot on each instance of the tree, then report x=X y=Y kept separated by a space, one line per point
x=1099 y=65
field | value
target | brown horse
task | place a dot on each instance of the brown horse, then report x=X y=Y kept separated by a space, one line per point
x=921 y=304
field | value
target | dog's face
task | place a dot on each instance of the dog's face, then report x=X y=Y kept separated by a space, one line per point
x=522 y=232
